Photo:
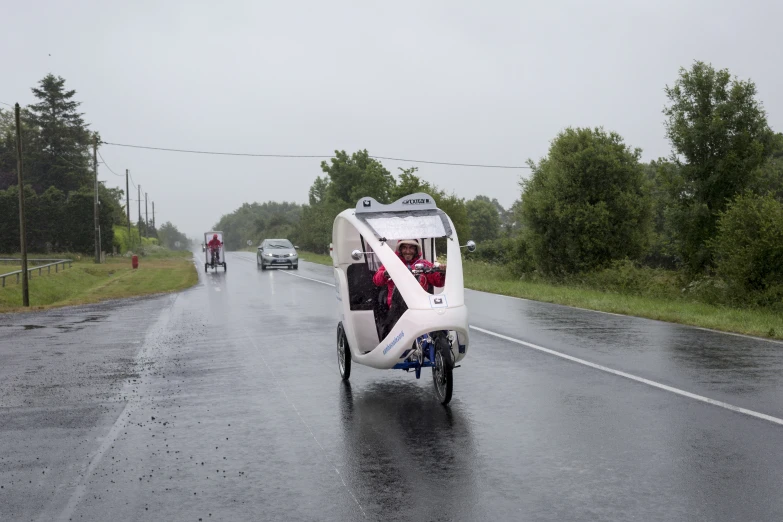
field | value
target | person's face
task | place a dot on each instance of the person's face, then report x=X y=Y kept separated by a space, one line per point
x=408 y=252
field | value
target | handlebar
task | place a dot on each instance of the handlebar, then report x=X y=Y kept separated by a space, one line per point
x=422 y=269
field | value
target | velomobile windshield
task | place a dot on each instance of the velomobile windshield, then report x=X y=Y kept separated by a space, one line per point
x=405 y=225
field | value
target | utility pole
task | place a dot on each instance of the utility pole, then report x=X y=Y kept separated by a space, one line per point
x=22 y=237
x=127 y=207
x=153 y=216
x=146 y=215
x=95 y=204
x=138 y=198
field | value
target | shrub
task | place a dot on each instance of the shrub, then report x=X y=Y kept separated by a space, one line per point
x=626 y=277
x=748 y=249
x=510 y=251
x=586 y=204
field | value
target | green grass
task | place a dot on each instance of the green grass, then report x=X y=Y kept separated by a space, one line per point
x=87 y=282
x=499 y=280
x=321 y=259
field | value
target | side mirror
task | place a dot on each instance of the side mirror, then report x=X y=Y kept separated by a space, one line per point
x=470 y=245
x=296 y=247
x=356 y=255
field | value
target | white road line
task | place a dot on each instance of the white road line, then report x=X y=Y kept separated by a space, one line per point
x=619 y=373
x=114 y=432
x=642 y=380
x=310 y=279
x=250 y=339
x=705 y=329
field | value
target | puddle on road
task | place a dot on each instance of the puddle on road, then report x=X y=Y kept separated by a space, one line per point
x=25 y=326
x=69 y=326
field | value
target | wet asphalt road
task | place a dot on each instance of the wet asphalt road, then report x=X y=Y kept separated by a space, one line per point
x=224 y=403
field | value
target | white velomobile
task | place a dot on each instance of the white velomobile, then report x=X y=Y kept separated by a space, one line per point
x=217 y=257
x=433 y=330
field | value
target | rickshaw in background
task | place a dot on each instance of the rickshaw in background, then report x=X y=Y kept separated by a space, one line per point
x=214 y=254
x=432 y=332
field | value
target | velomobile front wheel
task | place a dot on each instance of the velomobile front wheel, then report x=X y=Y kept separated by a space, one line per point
x=343 y=353
x=443 y=378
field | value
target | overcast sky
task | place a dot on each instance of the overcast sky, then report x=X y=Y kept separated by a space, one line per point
x=473 y=82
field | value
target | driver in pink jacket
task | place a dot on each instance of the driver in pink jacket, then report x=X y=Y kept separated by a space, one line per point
x=409 y=252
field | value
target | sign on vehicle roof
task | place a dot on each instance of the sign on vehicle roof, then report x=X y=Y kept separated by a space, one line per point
x=416 y=215
x=418 y=201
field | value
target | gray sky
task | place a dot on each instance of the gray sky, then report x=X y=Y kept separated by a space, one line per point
x=488 y=82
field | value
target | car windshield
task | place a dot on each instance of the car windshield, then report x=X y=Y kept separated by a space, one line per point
x=284 y=243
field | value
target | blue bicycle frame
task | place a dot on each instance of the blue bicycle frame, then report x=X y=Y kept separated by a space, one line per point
x=428 y=356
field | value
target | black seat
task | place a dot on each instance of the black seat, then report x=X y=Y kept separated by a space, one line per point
x=362 y=292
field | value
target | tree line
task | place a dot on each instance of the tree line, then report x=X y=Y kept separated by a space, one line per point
x=59 y=179
x=346 y=176
x=712 y=210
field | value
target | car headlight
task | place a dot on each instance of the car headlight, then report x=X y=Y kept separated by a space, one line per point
x=291 y=255
x=268 y=255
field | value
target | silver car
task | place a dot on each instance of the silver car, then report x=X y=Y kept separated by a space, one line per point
x=277 y=253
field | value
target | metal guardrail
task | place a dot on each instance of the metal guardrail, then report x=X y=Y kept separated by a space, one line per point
x=56 y=264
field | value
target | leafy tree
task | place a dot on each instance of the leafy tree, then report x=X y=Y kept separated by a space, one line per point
x=115 y=197
x=319 y=190
x=664 y=179
x=456 y=209
x=769 y=177
x=8 y=174
x=169 y=235
x=78 y=214
x=410 y=183
x=314 y=229
x=313 y=232
x=357 y=176
x=515 y=218
x=506 y=217
x=59 y=181
x=9 y=219
x=347 y=179
x=54 y=221
x=483 y=218
x=255 y=222
x=46 y=225
x=719 y=136
x=586 y=204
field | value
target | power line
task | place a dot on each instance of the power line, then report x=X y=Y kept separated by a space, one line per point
x=4 y=103
x=70 y=162
x=313 y=156
x=119 y=175
x=455 y=164
x=107 y=165
x=216 y=153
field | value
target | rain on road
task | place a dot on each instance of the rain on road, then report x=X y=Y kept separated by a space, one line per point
x=223 y=402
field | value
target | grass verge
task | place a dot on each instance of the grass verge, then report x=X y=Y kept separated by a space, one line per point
x=87 y=282
x=499 y=280
x=321 y=259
